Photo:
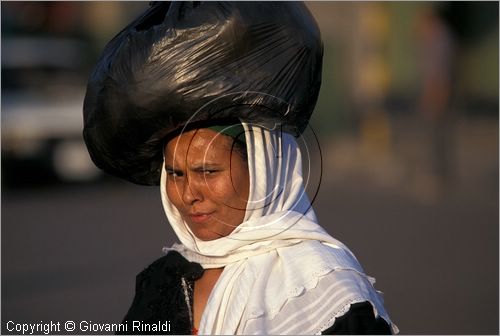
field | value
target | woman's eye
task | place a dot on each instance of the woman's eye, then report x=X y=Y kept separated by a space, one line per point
x=173 y=174
x=209 y=171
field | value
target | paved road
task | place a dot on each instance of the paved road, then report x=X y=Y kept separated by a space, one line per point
x=72 y=252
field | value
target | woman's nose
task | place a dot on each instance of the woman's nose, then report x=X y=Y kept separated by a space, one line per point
x=191 y=192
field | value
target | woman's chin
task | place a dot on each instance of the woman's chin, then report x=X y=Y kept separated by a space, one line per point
x=208 y=233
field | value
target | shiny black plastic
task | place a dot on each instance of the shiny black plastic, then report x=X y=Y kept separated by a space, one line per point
x=184 y=62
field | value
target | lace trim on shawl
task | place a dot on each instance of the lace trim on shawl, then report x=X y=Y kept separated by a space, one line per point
x=365 y=293
x=340 y=260
x=297 y=291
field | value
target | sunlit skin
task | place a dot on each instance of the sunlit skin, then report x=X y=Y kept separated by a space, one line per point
x=207 y=181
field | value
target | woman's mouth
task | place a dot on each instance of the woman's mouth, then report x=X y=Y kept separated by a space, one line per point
x=200 y=217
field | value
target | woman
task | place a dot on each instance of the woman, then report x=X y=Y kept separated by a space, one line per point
x=252 y=258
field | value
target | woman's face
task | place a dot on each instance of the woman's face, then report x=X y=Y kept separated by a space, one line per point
x=207 y=181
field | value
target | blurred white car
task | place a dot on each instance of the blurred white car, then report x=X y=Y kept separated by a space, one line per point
x=42 y=98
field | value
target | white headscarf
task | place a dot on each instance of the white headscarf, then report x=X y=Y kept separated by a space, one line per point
x=283 y=274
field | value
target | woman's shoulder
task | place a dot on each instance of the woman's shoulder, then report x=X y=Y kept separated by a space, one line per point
x=173 y=264
x=159 y=295
x=321 y=281
x=160 y=282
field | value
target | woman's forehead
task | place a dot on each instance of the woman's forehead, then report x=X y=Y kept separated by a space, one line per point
x=199 y=142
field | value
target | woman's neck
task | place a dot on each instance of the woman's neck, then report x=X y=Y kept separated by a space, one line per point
x=202 y=289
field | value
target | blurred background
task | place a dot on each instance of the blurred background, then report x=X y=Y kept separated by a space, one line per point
x=407 y=124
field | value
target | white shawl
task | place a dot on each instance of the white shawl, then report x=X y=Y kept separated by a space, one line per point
x=283 y=274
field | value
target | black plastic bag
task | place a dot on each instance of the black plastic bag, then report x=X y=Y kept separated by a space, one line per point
x=183 y=62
